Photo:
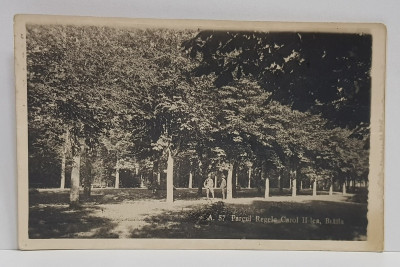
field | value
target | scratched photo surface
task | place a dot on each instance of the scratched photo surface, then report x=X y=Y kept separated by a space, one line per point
x=191 y=133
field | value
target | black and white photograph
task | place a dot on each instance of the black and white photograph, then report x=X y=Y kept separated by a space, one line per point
x=214 y=132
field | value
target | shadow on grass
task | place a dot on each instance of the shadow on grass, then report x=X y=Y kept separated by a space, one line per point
x=115 y=196
x=98 y=196
x=215 y=221
x=63 y=222
x=50 y=217
x=109 y=196
x=361 y=196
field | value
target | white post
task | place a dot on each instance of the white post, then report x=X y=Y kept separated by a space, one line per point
x=266 y=195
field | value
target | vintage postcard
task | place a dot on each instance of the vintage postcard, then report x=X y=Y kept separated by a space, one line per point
x=190 y=134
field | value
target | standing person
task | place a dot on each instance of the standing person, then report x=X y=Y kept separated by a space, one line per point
x=209 y=185
x=223 y=187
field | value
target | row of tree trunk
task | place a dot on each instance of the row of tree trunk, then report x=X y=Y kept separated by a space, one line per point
x=75 y=178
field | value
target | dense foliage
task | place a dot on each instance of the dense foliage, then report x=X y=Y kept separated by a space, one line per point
x=126 y=99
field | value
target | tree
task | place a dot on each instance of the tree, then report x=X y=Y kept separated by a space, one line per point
x=129 y=96
x=289 y=65
x=74 y=84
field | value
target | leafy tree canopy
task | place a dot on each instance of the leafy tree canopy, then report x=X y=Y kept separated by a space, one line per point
x=290 y=66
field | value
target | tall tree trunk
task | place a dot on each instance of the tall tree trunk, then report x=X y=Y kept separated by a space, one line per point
x=159 y=178
x=234 y=178
x=154 y=179
x=263 y=175
x=331 y=188
x=170 y=178
x=279 y=183
x=116 y=175
x=199 y=178
x=190 y=180
x=87 y=188
x=314 y=192
x=137 y=169
x=215 y=181
x=63 y=160
x=199 y=173
x=229 y=182
x=64 y=157
x=344 y=188
x=294 y=187
x=248 y=186
x=75 y=177
x=266 y=194
x=87 y=179
x=177 y=174
x=141 y=181
x=293 y=180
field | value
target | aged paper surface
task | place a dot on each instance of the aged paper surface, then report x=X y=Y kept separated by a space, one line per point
x=184 y=134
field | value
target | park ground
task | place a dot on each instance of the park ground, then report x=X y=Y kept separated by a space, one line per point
x=138 y=213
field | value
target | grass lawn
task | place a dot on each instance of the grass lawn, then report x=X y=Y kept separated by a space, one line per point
x=137 y=213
